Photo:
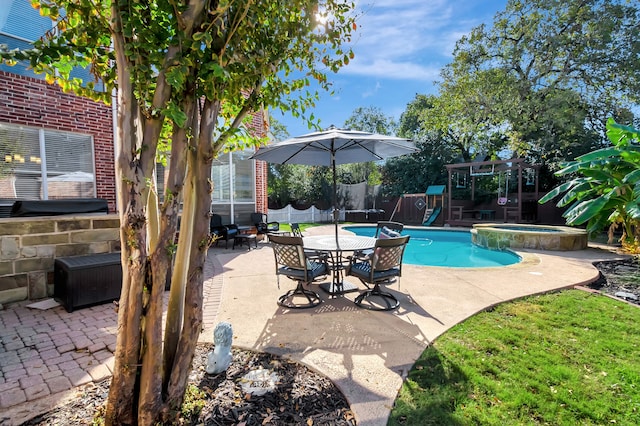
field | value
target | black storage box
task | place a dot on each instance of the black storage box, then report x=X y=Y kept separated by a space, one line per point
x=83 y=281
x=32 y=208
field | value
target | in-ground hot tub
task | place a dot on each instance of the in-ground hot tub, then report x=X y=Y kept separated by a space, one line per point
x=500 y=236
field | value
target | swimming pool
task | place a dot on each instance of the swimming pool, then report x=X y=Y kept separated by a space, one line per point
x=432 y=247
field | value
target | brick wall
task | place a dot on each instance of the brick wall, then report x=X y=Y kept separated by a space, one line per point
x=29 y=247
x=259 y=127
x=31 y=102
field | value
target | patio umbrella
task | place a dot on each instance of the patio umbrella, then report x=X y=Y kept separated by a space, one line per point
x=335 y=146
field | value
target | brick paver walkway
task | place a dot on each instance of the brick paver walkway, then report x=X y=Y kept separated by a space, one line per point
x=44 y=352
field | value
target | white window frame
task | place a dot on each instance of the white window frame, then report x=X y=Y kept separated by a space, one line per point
x=42 y=159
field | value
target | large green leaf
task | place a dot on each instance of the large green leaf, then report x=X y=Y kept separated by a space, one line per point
x=569 y=168
x=600 y=154
x=556 y=191
x=577 y=191
x=602 y=176
x=633 y=210
x=597 y=223
x=585 y=210
x=633 y=177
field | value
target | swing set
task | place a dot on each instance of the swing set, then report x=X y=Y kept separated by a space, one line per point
x=509 y=205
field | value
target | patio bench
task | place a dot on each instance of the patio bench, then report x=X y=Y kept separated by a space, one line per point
x=83 y=281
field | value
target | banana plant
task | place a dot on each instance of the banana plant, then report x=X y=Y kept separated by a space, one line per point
x=603 y=187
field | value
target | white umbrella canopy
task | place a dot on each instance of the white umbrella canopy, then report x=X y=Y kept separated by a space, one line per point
x=343 y=146
x=335 y=146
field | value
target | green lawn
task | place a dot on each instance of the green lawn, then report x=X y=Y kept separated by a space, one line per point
x=303 y=226
x=568 y=358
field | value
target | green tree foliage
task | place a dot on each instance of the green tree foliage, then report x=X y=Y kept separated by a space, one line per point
x=412 y=174
x=373 y=120
x=548 y=73
x=604 y=188
x=462 y=116
x=201 y=66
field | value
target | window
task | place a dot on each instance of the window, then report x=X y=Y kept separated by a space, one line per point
x=39 y=164
x=221 y=177
x=244 y=177
x=233 y=178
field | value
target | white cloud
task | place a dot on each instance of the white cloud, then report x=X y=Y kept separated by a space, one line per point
x=408 y=39
x=388 y=69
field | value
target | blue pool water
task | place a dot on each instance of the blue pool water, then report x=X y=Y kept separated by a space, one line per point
x=429 y=247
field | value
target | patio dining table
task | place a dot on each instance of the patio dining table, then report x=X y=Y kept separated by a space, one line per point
x=336 y=250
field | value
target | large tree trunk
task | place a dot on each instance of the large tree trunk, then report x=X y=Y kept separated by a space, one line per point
x=121 y=404
x=200 y=168
x=176 y=183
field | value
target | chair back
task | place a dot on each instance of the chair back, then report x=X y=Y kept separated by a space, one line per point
x=215 y=221
x=393 y=226
x=388 y=253
x=288 y=252
x=295 y=230
x=262 y=224
x=258 y=218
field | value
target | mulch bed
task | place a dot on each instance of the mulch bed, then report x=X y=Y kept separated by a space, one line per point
x=619 y=278
x=301 y=396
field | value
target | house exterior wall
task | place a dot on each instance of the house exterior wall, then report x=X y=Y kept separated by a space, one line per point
x=27 y=100
x=32 y=102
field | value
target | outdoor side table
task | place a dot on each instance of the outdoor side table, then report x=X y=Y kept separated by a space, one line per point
x=245 y=235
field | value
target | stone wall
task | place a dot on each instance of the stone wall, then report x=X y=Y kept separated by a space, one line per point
x=29 y=247
x=499 y=236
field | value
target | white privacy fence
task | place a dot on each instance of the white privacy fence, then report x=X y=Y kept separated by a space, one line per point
x=310 y=215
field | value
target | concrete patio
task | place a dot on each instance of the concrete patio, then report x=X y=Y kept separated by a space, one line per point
x=45 y=354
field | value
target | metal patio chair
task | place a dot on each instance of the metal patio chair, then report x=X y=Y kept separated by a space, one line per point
x=293 y=263
x=377 y=269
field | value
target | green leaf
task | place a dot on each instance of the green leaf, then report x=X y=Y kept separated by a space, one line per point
x=556 y=191
x=585 y=210
x=600 y=154
x=174 y=113
x=569 y=168
x=579 y=187
x=633 y=210
x=600 y=175
x=632 y=178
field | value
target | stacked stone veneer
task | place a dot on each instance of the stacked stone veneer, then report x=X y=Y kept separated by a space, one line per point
x=29 y=247
x=539 y=237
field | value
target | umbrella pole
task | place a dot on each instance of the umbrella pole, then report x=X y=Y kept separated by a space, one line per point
x=335 y=196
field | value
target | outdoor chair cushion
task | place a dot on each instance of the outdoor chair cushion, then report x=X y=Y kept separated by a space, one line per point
x=363 y=269
x=388 y=233
x=315 y=269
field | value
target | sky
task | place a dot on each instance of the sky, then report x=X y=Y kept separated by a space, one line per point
x=400 y=47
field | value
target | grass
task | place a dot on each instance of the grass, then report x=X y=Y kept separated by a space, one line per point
x=561 y=359
x=303 y=226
